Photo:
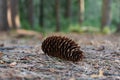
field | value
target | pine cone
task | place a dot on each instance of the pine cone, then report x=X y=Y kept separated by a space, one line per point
x=63 y=48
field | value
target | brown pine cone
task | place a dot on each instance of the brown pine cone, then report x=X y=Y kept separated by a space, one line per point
x=63 y=48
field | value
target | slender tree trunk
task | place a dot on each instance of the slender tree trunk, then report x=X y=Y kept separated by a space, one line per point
x=81 y=11
x=41 y=18
x=3 y=16
x=13 y=14
x=106 y=13
x=118 y=27
x=118 y=23
x=30 y=12
x=68 y=11
x=57 y=10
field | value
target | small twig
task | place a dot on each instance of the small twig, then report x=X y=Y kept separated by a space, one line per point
x=6 y=48
x=109 y=74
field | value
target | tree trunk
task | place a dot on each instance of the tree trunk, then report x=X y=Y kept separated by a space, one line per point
x=57 y=10
x=118 y=28
x=118 y=23
x=81 y=11
x=106 y=13
x=41 y=18
x=13 y=14
x=30 y=12
x=68 y=11
x=3 y=16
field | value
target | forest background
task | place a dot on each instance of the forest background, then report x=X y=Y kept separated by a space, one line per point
x=61 y=15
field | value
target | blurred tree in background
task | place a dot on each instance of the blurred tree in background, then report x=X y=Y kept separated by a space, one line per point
x=81 y=5
x=106 y=13
x=68 y=10
x=30 y=12
x=41 y=13
x=57 y=13
x=60 y=15
x=116 y=14
x=3 y=16
x=13 y=14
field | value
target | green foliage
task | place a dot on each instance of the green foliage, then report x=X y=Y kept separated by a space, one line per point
x=26 y=25
x=116 y=11
x=38 y=28
x=92 y=21
x=81 y=29
x=76 y=28
x=108 y=30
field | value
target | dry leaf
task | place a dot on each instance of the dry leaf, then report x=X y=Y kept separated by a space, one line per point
x=96 y=66
x=25 y=58
x=1 y=54
x=72 y=78
x=94 y=76
x=12 y=64
x=52 y=69
x=1 y=45
x=100 y=48
x=2 y=62
x=99 y=75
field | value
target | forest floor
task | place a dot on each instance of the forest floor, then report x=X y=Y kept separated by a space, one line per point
x=23 y=59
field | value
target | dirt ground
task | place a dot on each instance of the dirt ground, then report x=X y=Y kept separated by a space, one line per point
x=23 y=59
